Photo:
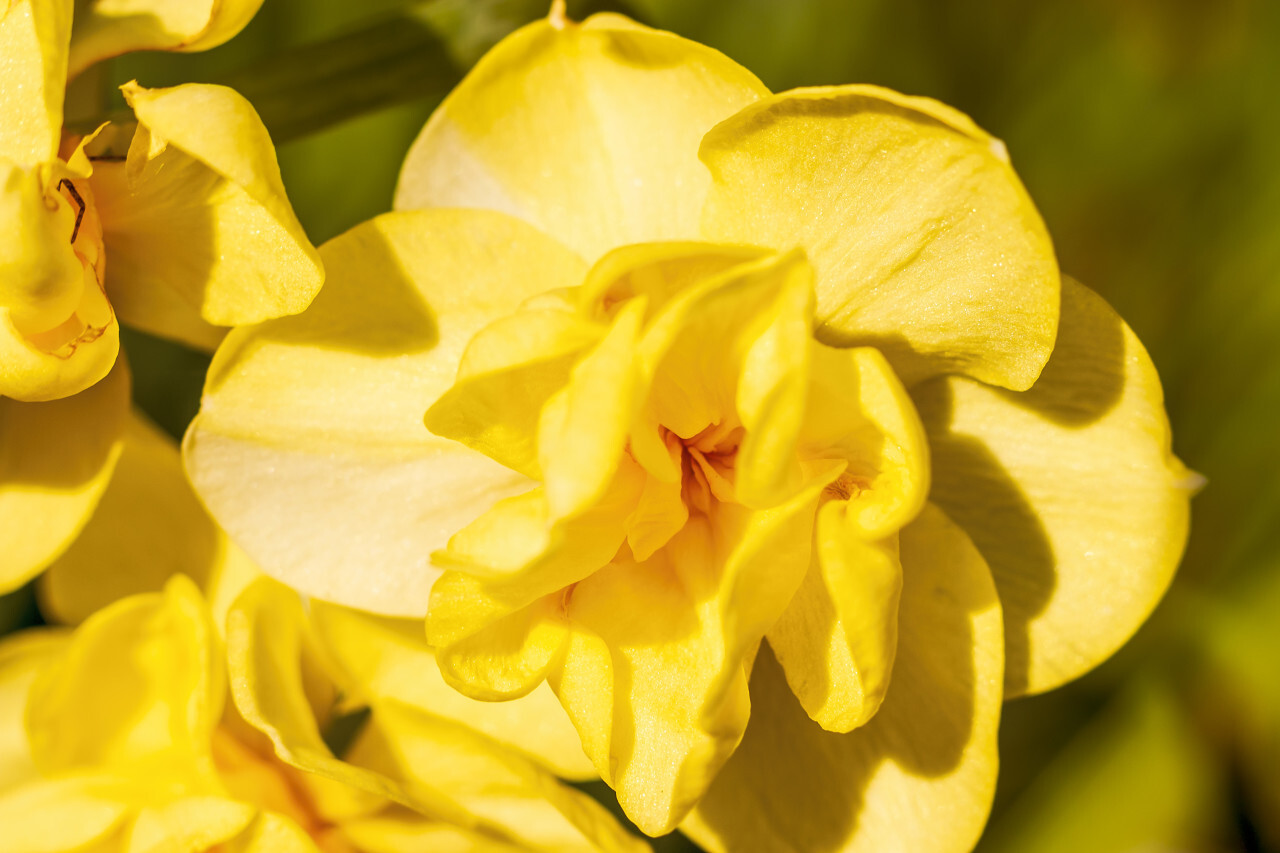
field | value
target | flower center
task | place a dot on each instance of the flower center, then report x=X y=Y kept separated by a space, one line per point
x=707 y=466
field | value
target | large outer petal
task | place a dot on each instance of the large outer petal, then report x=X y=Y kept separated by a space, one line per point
x=33 y=75
x=310 y=448
x=1070 y=491
x=920 y=776
x=589 y=132
x=56 y=459
x=106 y=28
x=197 y=226
x=925 y=243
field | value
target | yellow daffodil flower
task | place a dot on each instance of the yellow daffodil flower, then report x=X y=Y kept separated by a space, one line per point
x=762 y=427
x=116 y=737
x=177 y=224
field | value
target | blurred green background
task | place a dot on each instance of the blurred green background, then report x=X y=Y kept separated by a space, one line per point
x=1148 y=132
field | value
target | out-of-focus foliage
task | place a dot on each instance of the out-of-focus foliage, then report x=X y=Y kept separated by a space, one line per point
x=1145 y=131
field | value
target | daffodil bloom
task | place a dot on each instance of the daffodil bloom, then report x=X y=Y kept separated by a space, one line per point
x=176 y=223
x=762 y=427
x=117 y=737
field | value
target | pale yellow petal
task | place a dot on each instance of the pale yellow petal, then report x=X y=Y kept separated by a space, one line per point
x=58 y=332
x=58 y=458
x=197 y=226
x=837 y=639
x=511 y=655
x=925 y=243
x=107 y=28
x=590 y=132
x=33 y=66
x=310 y=447
x=22 y=656
x=390 y=659
x=150 y=669
x=1070 y=491
x=920 y=776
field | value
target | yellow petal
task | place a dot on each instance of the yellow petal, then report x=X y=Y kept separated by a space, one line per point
x=654 y=676
x=21 y=658
x=511 y=655
x=925 y=243
x=858 y=412
x=58 y=815
x=33 y=42
x=439 y=767
x=196 y=223
x=406 y=832
x=189 y=825
x=386 y=658
x=921 y=774
x=271 y=833
x=507 y=795
x=590 y=132
x=837 y=638
x=1069 y=490
x=582 y=433
x=58 y=333
x=151 y=670
x=270 y=653
x=57 y=460
x=308 y=423
x=110 y=28
x=148 y=526
x=508 y=372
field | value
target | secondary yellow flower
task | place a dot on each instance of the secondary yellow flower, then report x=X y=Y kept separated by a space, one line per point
x=762 y=427
x=177 y=224
x=125 y=744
